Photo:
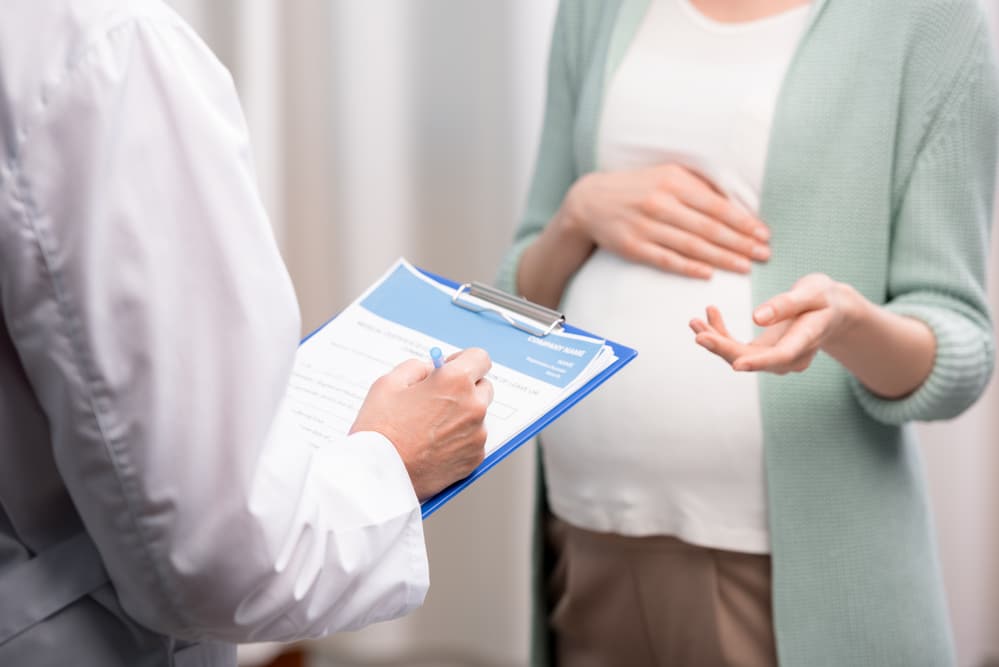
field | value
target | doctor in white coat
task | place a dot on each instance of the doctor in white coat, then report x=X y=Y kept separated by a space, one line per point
x=155 y=507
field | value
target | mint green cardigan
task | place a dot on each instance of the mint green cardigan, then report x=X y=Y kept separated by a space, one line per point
x=880 y=173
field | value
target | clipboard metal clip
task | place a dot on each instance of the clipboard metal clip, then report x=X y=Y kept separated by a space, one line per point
x=516 y=311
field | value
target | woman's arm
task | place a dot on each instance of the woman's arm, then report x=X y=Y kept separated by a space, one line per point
x=889 y=354
x=550 y=261
x=665 y=215
x=937 y=263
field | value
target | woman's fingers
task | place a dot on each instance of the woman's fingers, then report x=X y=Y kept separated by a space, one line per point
x=793 y=351
x=724 y=347
x=716 y=321
x=803 y=298
x=796 y=325
x=699 y=326
x=694 y=247
x=714 y=336
x=697 y=193
x=669 y=209
x=669 y=218
x=641 y=248
x=781 y=349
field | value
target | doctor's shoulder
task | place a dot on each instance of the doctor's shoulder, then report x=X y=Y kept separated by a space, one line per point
x=44 y=45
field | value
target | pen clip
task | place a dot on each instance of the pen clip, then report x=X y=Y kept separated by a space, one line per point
x=538 y=320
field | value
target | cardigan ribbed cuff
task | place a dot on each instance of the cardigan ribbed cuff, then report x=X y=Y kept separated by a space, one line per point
x=965 y=356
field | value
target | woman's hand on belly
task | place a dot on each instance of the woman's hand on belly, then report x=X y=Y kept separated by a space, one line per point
x=668 y=217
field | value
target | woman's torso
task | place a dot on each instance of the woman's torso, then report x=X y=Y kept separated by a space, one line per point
x=674 y=445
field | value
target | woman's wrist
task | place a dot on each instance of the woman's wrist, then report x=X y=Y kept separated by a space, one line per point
x=567 y=238
x=889 y=354
x=547 y=264
x=569 y=223
x=855 y=313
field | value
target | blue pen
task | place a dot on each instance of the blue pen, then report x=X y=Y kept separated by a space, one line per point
x=437 y=357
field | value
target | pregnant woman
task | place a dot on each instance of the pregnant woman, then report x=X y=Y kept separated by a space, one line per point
x=807 y=186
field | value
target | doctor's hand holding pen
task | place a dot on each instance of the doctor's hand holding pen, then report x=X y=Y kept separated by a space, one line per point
x=433 y=417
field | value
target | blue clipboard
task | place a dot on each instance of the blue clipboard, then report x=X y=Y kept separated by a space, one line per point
x=624 y=355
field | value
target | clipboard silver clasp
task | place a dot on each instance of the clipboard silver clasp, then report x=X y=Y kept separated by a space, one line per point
x=526 y=315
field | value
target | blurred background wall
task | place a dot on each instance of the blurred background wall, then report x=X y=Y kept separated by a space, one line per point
x=390 y=127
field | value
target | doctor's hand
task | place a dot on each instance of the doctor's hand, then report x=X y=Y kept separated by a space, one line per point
x=666 y=216
x=813 y=315
x=434 y=418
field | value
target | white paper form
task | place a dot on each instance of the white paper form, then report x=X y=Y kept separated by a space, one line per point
x=402 y=316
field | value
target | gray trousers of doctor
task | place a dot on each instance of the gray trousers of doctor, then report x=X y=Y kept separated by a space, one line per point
x=58 y=609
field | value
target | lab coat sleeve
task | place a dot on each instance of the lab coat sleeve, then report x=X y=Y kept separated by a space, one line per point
x=157 y=324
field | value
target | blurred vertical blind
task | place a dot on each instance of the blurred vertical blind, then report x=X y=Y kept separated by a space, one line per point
x=391 y=127
x=388 y=128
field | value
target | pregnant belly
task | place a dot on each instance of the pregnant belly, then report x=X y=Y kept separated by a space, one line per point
x=677 y=410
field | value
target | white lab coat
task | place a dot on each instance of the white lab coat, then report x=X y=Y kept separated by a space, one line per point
x=149 y=328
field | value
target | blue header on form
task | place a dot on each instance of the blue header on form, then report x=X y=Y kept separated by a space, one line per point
x=408 y=300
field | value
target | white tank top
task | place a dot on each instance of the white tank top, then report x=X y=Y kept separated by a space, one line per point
x=673 y=444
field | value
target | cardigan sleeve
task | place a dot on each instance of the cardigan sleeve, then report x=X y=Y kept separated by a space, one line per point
x=555 y=168
x=940 y=245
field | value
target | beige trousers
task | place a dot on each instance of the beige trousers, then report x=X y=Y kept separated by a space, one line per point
x=635 y=601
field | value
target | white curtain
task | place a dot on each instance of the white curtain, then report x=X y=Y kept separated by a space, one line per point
x=388 y=128
x=392 y=127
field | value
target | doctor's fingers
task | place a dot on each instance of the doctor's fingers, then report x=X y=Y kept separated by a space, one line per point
x=472 y=363
x=407 y=373
x=484 y=391
x=671 y=210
